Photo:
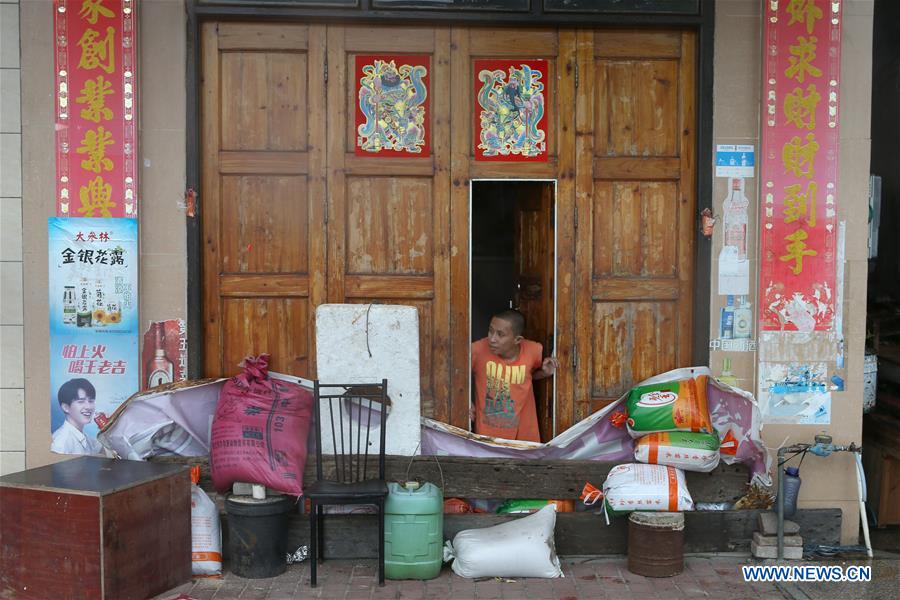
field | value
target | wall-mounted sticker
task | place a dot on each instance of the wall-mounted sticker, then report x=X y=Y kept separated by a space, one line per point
x=735 y=326
x=799 y=165
x=164 y=353
x=93 y=303
x=510 y=110
x=96 y=107
x=735 y=160
x=392 y=105
x=796 y=393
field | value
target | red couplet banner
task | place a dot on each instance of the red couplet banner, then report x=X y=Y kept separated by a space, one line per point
x=802 y=64
x=799 y=170
x=96 y=107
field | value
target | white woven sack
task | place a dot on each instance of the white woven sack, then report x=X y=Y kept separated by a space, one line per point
x=206 y=534
x=520 y=548
x=646 y=487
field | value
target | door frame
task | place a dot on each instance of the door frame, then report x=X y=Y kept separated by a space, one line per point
x=703 y=23
x=555 y=184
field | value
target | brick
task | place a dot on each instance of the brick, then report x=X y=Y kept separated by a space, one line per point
x=791 y=552
x=768 y=524
x=772 y=540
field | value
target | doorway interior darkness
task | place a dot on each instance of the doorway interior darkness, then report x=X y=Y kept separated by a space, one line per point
x=513 y=265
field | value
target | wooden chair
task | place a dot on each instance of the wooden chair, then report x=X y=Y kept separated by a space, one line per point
x=352 y=477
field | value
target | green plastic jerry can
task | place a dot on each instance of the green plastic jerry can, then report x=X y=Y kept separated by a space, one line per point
x=413 y=531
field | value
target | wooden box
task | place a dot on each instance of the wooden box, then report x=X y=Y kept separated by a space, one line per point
x=95 y=528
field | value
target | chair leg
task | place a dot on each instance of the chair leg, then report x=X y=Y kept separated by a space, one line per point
x=381 y=542
x=313 y=549
x=320 y=516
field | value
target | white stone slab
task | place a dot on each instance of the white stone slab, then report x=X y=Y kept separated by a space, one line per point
x=363 y=343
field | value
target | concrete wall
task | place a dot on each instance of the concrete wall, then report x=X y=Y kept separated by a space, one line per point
x=163 y=275
x=12 y=377
x=832 y=481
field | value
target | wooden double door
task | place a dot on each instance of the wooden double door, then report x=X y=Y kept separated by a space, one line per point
x=293 y=218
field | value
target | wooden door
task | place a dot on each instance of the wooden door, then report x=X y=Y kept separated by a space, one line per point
x=388 y=226
x=636 y=209
x=558 y=48
x=534 y=262
x=263 y=149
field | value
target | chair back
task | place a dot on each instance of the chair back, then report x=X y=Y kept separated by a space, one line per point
x=351 y=416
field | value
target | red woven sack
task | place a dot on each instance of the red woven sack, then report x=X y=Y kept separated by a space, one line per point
x=259 y=430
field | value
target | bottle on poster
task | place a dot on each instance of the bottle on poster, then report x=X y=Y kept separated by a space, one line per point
x=735 y=217
x=70 y=311
x=160 y=369
x=83 y=315
x=743 y=320
x=726 y=324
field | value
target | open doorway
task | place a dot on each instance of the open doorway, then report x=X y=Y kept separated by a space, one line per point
x=513 y=265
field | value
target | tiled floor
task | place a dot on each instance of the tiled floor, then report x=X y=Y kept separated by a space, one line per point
x=717 y=577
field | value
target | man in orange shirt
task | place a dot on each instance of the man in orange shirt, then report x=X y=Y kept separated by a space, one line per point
x=504 y=365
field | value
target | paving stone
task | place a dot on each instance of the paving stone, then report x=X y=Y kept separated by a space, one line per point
x=768 y=524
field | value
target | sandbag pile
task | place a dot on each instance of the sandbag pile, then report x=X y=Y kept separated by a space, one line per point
x=674 y=433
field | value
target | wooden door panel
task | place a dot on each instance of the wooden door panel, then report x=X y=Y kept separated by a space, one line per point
x=265 y=107
x=263 y=192
x=264 y=217
x=558 y=48
x=274 y=325
x=632 y=114
x=387 y=227
x=633 y=223
x=636 y=188
x=640 y=334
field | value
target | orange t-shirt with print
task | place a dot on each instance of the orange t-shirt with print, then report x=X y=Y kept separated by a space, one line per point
x=504 y=396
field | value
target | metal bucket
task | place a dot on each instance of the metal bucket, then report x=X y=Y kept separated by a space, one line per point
x=656 y=543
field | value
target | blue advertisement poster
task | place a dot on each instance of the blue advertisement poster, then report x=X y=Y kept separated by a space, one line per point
x=94 y=350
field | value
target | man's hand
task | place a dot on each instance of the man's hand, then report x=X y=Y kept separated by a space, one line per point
x=548 y=368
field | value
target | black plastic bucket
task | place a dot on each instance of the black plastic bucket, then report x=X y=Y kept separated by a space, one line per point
x=257 y=535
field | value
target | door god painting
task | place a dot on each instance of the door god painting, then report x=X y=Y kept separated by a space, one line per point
x=510 y=112
x=392 y=111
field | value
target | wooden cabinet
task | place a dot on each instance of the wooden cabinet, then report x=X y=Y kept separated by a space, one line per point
x=95 y=528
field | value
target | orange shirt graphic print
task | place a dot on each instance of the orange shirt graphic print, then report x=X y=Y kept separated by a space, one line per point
x=504 y=397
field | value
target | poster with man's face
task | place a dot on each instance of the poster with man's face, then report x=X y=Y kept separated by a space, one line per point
x=93 y=303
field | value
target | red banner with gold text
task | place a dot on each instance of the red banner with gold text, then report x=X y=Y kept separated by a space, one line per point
x=799 y=170
x=96 y=108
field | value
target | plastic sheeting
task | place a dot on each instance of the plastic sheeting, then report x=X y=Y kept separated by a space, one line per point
x=176 y=419
x=602 y=436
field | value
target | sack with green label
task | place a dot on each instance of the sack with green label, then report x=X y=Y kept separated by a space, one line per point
x=669 y=406
x=681 y=449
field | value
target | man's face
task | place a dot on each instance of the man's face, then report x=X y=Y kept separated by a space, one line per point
x=501 y=339
x=80 y=410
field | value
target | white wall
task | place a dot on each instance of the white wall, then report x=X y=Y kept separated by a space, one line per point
x=12 y=372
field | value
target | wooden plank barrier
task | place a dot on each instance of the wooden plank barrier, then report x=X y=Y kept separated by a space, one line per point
x=584 y=533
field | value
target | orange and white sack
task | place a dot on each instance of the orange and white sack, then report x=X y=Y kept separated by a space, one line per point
x=646 y=487
x=679 y=449
x=206 y=532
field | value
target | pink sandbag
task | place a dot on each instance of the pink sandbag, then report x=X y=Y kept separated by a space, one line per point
x=259 y=430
